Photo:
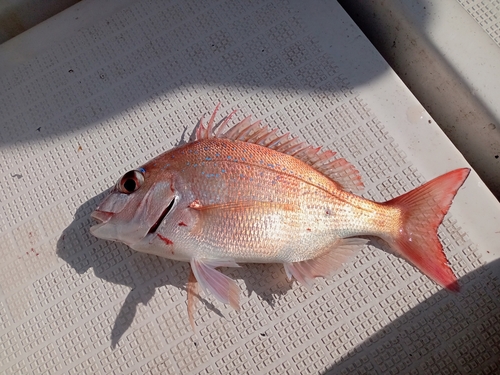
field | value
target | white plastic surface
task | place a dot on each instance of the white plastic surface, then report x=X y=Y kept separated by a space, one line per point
x=487 y=14
x=113 y=94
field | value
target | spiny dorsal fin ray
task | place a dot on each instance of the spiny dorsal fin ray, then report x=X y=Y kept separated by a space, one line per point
x=339 y=170
x=207 y=132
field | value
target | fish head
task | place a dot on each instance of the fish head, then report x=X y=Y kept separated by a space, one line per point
x=136 y=206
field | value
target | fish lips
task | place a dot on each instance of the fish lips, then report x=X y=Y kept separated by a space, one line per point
x=103 y=217
x=112 y=205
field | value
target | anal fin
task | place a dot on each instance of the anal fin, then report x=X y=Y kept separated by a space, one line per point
x=325 y=265
x=221 y=286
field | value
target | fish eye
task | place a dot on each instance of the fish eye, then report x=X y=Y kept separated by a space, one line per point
x=131 y=181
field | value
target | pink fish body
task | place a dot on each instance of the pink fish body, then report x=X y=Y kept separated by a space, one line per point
x=251 y=196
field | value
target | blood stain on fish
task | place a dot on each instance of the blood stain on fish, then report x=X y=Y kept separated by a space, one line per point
x=165 y=239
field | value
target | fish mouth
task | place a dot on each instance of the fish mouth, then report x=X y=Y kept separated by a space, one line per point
x=165 y=212
x=101 y=216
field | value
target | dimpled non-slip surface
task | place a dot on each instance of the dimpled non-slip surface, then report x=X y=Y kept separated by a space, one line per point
x=115 y=93
x=487 y=14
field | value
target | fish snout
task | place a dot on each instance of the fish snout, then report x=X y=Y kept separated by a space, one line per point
x=101 y=216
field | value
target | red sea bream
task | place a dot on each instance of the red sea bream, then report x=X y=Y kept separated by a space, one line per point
x=248 y=195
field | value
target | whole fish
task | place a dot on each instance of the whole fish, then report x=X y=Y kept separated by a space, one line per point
x=250 y=195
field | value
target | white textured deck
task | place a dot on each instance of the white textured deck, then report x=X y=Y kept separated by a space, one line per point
x=81 y=106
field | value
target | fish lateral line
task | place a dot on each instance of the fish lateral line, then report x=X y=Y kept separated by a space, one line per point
x=195 y=204
x=283 y=173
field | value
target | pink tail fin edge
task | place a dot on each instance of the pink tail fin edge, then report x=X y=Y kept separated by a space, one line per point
x=422 y=211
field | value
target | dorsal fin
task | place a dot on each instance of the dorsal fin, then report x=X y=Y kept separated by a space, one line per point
x=339 y=170
x=203 y=132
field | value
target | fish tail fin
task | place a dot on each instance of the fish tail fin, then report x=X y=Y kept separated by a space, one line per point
x=422 y=211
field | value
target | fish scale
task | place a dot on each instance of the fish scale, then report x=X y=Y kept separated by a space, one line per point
x=267 y=233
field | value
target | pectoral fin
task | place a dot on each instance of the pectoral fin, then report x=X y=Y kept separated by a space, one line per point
x=325 y=265
x=221 y=286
